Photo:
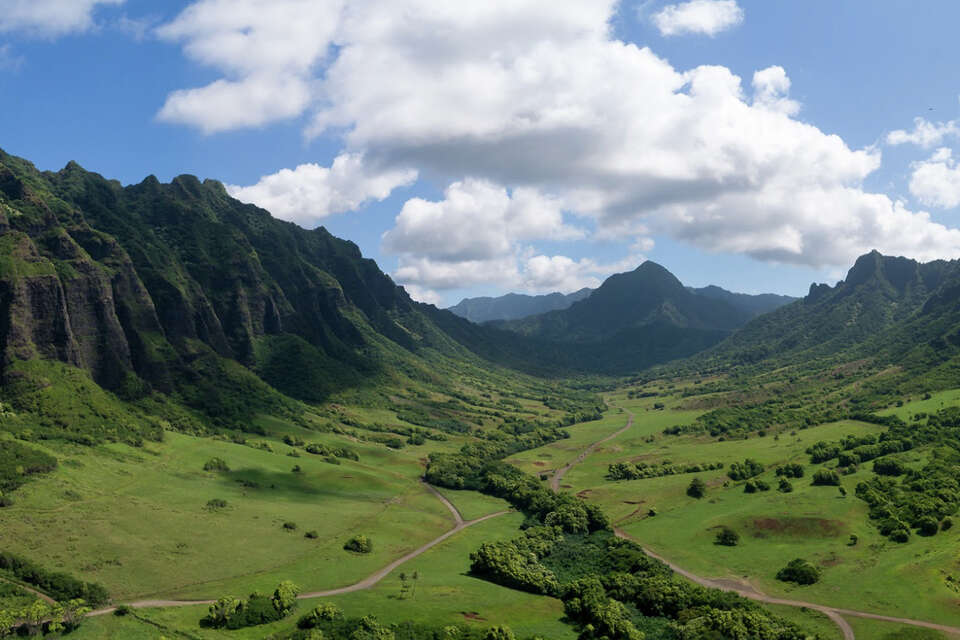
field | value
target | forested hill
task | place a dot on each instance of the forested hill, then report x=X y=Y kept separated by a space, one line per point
x=514 y=306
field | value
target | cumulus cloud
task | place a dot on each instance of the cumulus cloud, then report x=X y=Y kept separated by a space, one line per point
x=925 y=134
x=533 y=117
x=310 y=192
x=49 y=18
x=708 y=17
x=936 y=182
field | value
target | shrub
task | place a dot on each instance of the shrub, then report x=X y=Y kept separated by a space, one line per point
x=359 y=544
x=259 y=608
x=826 y=477
x=799 y=571
x=790 y=471
x=313 y=535
x=889 y=467
x=697 y=488
x=216 y=503
x=749 y=487
x=927 y=526
x=946 y=524
x=900 y=534
x=290 y=526
x=785 y=486
x=727 y=537
x=217 y=465
x=324 y=612
x=745 y=470
x=296 y=469
x=122 y=610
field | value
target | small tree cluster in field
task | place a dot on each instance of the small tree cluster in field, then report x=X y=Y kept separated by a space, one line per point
x=642 y=470
x=744 y=470
x=293 y=441
x=889 y=467
x=40 y=618
x=785 y=486
x=60 y=586
x=790 y=471
x=727 y=537
x=359 y=544
x=752 y=486
x=217 y=465
x=799 y=571
x=290 y=526
x=232 y=613
x=318 y=449
x=323 y=612
x=313 y=535
x=216 y=504
x=697 y=488
x=826 y=478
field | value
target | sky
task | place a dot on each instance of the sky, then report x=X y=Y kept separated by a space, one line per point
x=487 y=146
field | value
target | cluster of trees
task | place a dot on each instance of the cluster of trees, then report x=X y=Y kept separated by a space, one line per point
x=745 y=470
x=826 y=478
x=327 y=622
x=359 y=544
x=799 y=571
x=755 y=485
x=318 y=449
x=41 y=618
x=233 y=613
x=790 y=470
x=853 y=450
x=216 y=465
x=642 y=470
x=60 y=586
x=18 y=462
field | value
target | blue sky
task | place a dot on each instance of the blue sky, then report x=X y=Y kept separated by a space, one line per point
x=478 y=150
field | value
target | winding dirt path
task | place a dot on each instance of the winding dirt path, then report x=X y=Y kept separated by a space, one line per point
x=835 y=614
x=29 y=589
x=459 y=525
x=558 y=476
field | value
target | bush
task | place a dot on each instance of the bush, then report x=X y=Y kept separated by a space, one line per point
x=826 y=477
x=784 y=486
x=799 y=571
x=59 y=586
x=790 y=471
x=234 y=613
x=697 y=488
x=359 y=544
x=727 y=537
x=296 y=469
x=217 y=465
x=122 y=610
x=946 y=524
x=216 y=503
x=927 y=526
x=290 y=526
x=745 y=470
x=313 y=535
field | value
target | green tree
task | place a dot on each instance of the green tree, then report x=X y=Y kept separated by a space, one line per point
x=697 y=488
x=285 y=597
x=499 y=633
x=727 y=537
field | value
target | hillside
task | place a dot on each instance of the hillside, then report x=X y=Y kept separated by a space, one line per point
x=514 y=306
x=754 y=304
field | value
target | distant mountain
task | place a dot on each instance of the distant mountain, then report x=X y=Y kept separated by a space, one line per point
x=755 y=305
x=892 y=308
x=646 y=297
x=514 y=306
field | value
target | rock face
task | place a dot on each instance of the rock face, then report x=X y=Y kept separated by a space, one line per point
x=130 y=283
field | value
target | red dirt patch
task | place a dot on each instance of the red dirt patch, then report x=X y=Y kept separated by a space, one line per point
x=473 y=615
x=566 y=486
x=584 y=493
x=539 y=464
x=799 y=527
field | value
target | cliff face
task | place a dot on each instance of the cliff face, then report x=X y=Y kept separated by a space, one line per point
x=133 y=283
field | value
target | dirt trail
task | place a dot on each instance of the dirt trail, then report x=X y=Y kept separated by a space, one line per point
x=459 y=525
x=28 y=589
x=558 y=476
x=835 y=614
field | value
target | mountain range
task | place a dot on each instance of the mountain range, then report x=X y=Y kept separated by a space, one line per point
x=177 y=295
x=514 y=306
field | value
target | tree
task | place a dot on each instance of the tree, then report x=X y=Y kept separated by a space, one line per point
x=222 y=610
x=799 y=571
x=727 y=537
x=785 y=486
x=285 y=597
x=697 y=488
x=359 y=544
x=499 y=633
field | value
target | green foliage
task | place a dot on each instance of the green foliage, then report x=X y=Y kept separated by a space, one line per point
x=826 y=478
x=215 y=504
x=59 y=586
x=790 y=471
x=643 y=470
x=359 y=544
x=697 y=488
x=784 y=486
x=727 y=537
x=799 y=571
x=216 y=465
x=745 y=470
x=232 y=613
x=18 y=462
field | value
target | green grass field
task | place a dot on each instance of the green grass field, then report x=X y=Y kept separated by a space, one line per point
x=812 y=522
x=444 y=594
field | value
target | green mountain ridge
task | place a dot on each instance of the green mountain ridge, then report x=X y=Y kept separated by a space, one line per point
x=513 y=306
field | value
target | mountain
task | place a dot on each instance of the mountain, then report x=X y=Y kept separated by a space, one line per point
x=755 y=305
x=124 y=309
x=646 y=297
x=514 y=306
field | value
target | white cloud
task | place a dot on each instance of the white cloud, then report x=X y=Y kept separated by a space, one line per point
x=500 y=99
x=925 y=134
x=770 y=89
x=708 y=17
x=936 y=181
x=49 y=18
x=310 y=192
x=421 y=294
x=267 y=50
